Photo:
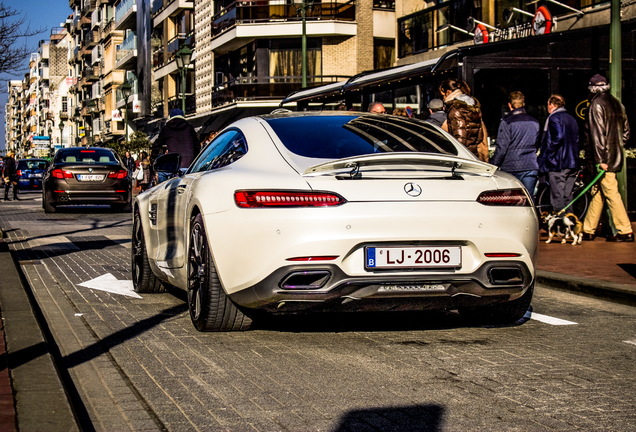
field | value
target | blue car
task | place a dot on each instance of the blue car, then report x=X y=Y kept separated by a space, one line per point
x=30 y=173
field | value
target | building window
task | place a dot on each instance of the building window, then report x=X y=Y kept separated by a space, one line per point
x=383 y=53
x=416 y=32
x=285 y=59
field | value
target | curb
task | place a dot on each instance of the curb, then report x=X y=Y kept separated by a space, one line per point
x=41 y=402
x=598 y=288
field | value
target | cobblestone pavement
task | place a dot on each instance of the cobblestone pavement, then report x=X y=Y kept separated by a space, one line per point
x=138 y=364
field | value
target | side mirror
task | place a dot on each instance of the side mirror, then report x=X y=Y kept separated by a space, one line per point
x=167 y=163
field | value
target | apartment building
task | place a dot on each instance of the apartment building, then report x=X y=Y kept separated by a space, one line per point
x=14 y=126
x=258 y=48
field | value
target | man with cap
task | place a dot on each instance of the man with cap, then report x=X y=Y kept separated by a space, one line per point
x=177 y=136
x=437 y=115
x=10 y=175
x=607 y=130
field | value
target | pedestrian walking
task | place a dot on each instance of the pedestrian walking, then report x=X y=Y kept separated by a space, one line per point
x=177 y=136
x=606 y=131
x=517 y=143
x=437 y=115
x=10 y=175
x=559 y=154
x=129 y=163
x=464 y=118
x=145 y=165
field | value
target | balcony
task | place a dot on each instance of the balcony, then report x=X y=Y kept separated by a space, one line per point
x=89 y=75
x=125 y=58
x=91 y=38
x=253 y=12
x=264 y=88
x=90 y=107
x=126 y=15
x=169 y=9
x=89 y=7
x=161 y=57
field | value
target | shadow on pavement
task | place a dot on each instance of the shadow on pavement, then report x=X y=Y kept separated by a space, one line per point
x=416 y=418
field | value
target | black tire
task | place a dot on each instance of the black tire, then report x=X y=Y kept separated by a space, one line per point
x=48 y=208
x=125 y=208
x=210 y=308
x=500 y=313
x=144 y=280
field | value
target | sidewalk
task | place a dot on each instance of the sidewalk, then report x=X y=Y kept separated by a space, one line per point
x=595 y=267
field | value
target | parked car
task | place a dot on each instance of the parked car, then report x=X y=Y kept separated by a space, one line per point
x=287 y=213
x=30 y=173
x=81 y=175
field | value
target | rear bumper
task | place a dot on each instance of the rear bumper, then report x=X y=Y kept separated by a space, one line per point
x=92 y=197
x=493 y=282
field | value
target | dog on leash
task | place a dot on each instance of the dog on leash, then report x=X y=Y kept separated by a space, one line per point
x=567 y=226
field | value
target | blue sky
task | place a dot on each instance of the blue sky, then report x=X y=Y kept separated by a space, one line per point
x=39 y=14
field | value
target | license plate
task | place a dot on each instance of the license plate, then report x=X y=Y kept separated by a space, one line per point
x=35 y=175
x=90 y=177
x=413 y=257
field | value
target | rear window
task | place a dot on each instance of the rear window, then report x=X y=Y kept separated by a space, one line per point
x=32 y=165
x=337 y=137
x=85 y=156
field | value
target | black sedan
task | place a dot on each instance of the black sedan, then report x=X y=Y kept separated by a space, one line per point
x=86 y=175
x=30 y=173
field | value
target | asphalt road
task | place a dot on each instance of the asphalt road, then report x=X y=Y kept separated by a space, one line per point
x=138 y=364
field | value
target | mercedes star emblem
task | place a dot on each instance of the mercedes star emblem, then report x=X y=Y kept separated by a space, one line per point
x=412 y=189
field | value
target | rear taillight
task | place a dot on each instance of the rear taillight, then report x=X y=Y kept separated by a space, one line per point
x=121 y=174
x=256 y=199
x=505 y=197
x=61 y=174
x=19 y=172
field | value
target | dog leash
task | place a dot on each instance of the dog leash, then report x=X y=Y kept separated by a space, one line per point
x=598 y=176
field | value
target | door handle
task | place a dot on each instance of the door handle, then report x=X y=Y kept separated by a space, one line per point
x=181 y=188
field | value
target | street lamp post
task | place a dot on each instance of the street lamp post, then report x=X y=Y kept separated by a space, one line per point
x=61 y=133
x=183 y=58
x=126 y=90
x=302 y=8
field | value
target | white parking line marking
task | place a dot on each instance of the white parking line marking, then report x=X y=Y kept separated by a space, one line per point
x=547 y=319
x=631 y=342
x=111 y=284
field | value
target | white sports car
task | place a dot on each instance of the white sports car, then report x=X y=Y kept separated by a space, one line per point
x=340 y=211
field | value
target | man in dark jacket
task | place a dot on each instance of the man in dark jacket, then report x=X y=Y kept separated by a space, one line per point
x=517 y=143
x=560 y=152
x=177 y=136
x=607 y=130
x=10 y=175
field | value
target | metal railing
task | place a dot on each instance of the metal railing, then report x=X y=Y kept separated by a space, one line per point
x=122 y=8
x=254 y=11
x=265 y=87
